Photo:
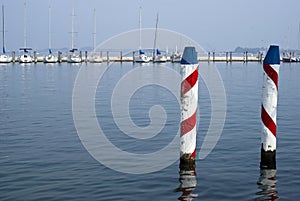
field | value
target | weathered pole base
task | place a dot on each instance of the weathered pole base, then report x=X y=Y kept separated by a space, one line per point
x=187 y=163
x=267 y=159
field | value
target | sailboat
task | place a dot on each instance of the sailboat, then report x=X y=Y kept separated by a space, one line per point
x=26 y=56
x=157 y=56
x=50 y=58
x=141 y=57
x=72 y=56
x=4 y=58
x=176 y=56
x=95 y=58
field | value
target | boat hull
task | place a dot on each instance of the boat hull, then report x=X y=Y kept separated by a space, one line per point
x=142 y=58
x=25 y=58
x=50 y=59
x=160 y=59
x=74 y=59
x=5 y=59
x=96 y=59
x=290 y=59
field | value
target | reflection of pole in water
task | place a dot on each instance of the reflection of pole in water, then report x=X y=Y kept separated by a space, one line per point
x=188 y=183
x=267 y=184
x=271 y=66
x=189 y=104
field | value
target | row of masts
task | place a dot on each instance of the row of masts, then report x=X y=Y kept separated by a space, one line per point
x=156 y=55
x=73 y=56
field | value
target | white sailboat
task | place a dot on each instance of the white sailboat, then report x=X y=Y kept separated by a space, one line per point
x=141 y=57
x=176 y=56
x=25 y=57
x=4 y=58
x=95 y=57
x=157 y=55
x=50 y=58
x=73 y=57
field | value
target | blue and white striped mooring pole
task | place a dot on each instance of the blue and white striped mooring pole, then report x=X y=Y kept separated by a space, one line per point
x=189 y=104
x=271 y=67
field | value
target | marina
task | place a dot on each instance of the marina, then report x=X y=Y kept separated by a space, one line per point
x=119 y=56
x=202 y=105
x=141 y=53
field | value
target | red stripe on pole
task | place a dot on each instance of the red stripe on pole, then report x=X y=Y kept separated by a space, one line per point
x=193 y=155
x=188 y=124
x=268 y=121
x=189 y=82
x=272 y=74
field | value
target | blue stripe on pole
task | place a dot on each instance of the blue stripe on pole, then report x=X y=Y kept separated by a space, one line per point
x=273 y=55
x=189 y=56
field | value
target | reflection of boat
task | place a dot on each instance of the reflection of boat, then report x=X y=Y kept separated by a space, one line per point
x=3 y=57
x=50 y=58
x=26 y=56
x=95 y=57
x=141 y=57
x=73 y=57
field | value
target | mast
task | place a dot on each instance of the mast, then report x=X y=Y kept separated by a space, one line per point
x=95 y=30
x=25 y=22
x=49 y=29
x=3 y=30
x=73 y=15
x=155 y=37
x=140 y=28
x=299 y=37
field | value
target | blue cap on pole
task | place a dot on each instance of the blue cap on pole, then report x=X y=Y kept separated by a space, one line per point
x=189 y=56
x=273 y=55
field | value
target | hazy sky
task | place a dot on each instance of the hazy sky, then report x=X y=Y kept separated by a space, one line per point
x=214 y=24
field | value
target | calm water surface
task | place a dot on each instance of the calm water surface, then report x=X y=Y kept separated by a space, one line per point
x=42 y=158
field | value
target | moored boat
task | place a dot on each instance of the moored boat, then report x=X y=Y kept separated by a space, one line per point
x=73 y=57
x=95 y=57
x=159 y=57
x=141 y=57
x=25 y=56
x=50 y=58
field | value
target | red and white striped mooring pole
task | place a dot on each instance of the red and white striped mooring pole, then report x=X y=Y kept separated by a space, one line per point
x=271 y=67
x=189 y=104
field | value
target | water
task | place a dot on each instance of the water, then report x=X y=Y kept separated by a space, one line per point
x=42 y=158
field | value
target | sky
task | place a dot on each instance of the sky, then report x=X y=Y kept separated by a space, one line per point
x=217 y=25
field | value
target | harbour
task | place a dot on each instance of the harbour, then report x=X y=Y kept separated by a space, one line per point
x=143 y=44
x=95 y=106
x=118 y=56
